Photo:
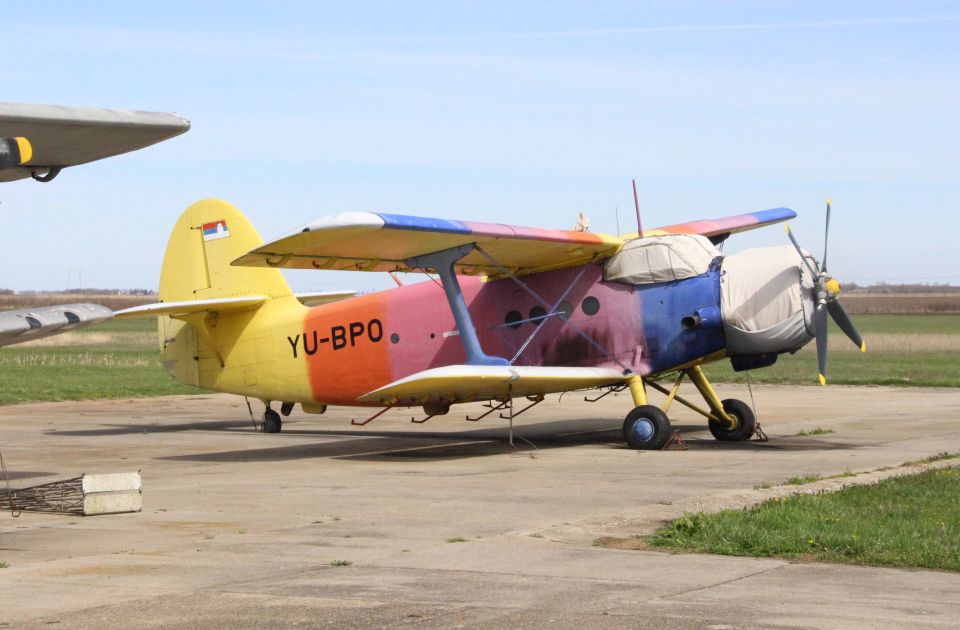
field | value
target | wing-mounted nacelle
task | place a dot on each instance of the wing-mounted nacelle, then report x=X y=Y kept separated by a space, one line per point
x=14 y=152
x=29 y=324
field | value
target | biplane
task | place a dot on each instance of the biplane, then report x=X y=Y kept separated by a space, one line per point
x=39 y=141
x=508 y=313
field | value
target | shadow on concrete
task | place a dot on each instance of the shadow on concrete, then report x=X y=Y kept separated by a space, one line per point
x=13 y=475
x=132 y=429
x=419 y=445
x=775 y=443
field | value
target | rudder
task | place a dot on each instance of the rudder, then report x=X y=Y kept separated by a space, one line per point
x=207 y=237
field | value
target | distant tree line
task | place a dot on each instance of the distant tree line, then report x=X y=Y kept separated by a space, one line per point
x=883 y=287
x=81 y=292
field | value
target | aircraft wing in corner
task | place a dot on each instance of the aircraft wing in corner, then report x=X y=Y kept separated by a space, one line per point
x=35 y=323
x=58 y=137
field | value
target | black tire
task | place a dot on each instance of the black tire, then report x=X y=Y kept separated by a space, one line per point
x=271 y=421
x=646 y=428
x=746 y=422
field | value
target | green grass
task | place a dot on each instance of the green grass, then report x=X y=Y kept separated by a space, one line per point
x=817 y=431
x=910 y=521
x=933 y=458
x=118 y=359
x=905 y=324
x=456 y=539
x=911 y=350
x=340 y=563
x=802 y=479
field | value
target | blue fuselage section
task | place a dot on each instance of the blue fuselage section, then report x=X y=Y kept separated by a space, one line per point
x=664 y=308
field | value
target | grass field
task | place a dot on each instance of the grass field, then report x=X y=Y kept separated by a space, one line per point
x=915 y=303
x=118 y=359
x=918 y=350
x=910 y=521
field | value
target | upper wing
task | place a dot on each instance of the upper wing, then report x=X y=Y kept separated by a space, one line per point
x=67 y=136
x=467 y=383
x=35 y=323
x=367 y=241
x=719 y=229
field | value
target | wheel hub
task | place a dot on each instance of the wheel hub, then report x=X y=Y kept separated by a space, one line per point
x=643 y=429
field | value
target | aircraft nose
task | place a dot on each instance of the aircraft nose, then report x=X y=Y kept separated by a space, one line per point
x=766 y=300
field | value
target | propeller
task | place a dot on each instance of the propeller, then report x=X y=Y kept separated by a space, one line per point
x=826 y=290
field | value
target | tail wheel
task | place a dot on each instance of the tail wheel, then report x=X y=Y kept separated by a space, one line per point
x=746 y=422
x=271 y=421
x=646 y=428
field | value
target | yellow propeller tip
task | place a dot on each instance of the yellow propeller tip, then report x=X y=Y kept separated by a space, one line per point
x=823 y=379
x=863 y=347
x=786 y=228
x=828 y=201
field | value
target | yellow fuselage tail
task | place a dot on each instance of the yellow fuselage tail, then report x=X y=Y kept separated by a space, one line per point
x=225 y=351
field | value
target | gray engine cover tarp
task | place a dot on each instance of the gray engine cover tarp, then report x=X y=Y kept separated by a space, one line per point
x=767 y=301
x=660 y=259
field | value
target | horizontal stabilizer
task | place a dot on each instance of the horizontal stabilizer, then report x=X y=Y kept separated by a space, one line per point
x=324 y=297
x=468 y=383
x=35 y=323
x=189 y=307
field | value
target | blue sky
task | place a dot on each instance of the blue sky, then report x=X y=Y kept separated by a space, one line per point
x=510 y=112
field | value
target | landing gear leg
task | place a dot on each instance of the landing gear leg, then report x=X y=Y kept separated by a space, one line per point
x=646 y=427
x=745 y=426
x=730 y=420
x=271 y=421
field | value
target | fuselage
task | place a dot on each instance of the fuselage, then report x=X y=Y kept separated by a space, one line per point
x=334 y=353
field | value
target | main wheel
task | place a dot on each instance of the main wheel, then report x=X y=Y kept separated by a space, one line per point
x=746 y=422
x=271 y=421
x=646 y=428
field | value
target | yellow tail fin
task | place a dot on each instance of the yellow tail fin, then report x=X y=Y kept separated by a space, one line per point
x=209 y=235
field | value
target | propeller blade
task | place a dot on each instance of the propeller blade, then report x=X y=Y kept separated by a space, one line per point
x=840 y=316
x=800 y=251
x=826 y=233
x=820 y=326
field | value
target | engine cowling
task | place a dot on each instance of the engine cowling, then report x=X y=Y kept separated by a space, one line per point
x=766 y=301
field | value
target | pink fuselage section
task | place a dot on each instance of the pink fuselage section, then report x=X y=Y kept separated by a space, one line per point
x=354 y=346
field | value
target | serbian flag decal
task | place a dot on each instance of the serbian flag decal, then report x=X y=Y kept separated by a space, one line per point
x=215 y=230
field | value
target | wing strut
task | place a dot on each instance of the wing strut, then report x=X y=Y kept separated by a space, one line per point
x=580 y=331
x=443 y=262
